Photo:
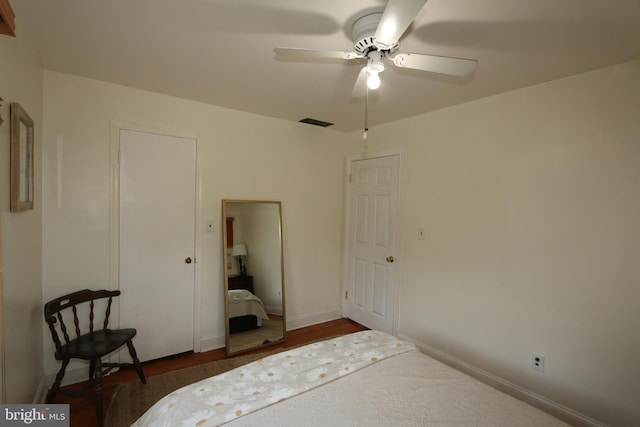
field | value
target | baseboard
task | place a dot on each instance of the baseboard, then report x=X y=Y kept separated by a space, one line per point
x=273 y=309
x=214 y=343
x=559 y=411
x=41 y=391
x=302 y=322
x=72 y=375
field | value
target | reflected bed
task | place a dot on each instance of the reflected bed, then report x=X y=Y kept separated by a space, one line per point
x=246 y=311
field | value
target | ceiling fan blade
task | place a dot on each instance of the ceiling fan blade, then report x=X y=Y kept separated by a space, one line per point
x=435 y=64
x=317 y=53
x=396 y=18
x=360 y=86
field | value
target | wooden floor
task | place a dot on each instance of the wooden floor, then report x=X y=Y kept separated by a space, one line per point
x=83 y=409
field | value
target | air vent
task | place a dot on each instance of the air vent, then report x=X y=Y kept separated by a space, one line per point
x=315 y=122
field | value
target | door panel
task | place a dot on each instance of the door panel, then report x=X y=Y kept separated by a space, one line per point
x=359 y=293
x=380 y=282
x=362 y=215
x=383 y=208
x=157 y=241
x=372 y=240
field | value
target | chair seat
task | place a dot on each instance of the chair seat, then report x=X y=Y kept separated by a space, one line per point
x=95 y=344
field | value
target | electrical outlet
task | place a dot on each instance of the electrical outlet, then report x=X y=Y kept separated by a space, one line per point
x=537 y=362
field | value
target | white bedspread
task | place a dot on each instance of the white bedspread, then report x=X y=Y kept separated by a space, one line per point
x=243 y=303
x=230 y=395
x=410 y=389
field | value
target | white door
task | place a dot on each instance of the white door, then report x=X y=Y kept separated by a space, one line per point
x=157 y=182
x=373 y=218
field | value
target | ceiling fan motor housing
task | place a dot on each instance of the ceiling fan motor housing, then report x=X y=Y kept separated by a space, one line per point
x=363 y=34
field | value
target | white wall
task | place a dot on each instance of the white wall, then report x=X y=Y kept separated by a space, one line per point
x=21 y=82
x=240 y=156
x=531 y=205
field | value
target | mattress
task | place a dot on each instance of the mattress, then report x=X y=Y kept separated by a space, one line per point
x=410 y=389
x=367 y=378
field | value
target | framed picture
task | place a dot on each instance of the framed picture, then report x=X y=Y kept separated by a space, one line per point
x=232 y=264
x=21 y=181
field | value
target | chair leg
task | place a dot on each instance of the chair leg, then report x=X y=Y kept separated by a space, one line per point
x=99 y=390
x=92 y=369
x=136 y=361
x=51 y=394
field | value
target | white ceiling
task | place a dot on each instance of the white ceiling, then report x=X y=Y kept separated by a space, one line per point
x=221 y=51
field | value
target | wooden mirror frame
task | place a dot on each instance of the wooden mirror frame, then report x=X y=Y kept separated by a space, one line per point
x=21 y=181
x=7 y=19
x=226 y=232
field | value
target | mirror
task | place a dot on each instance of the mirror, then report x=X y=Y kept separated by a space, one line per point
x=254 y=274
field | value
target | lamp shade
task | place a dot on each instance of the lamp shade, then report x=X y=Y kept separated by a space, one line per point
x=238 y=250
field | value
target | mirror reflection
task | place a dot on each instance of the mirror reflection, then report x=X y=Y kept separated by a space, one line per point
x=254 y=278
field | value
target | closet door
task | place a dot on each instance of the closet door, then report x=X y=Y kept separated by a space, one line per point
x=157 y=198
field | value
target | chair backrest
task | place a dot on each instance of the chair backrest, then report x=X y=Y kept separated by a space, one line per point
x=54 y=308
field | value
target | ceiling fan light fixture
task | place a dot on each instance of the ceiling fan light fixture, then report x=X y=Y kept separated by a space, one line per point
x=373 y=82
x=374 y=67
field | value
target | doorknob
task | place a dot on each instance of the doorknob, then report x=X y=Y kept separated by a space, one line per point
x=390 y=259
x=188 y=260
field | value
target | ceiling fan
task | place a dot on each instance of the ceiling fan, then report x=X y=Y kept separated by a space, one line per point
x=376 y=37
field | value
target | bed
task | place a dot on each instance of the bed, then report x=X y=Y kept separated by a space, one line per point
x=246 y=310
x=365 y=378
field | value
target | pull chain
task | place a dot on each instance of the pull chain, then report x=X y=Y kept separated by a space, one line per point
x=366 y=114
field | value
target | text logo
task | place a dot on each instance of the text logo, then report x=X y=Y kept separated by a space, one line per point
x=34 y=415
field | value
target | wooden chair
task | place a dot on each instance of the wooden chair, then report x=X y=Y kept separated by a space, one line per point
x=91 y=345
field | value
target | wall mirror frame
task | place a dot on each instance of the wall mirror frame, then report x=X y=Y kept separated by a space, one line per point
x=21 y=181
x=254 y=296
